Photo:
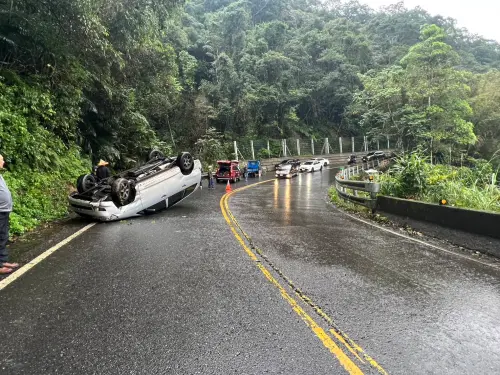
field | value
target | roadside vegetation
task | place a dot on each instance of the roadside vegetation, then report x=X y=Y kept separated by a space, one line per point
x=355 y=208
x=473 y=186
x=412 y=176
x=82 y=80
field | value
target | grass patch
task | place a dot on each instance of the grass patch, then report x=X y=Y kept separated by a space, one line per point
x=354 y=208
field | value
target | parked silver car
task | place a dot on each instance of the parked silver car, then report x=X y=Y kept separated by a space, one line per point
x=287 y=171
x=158 y=184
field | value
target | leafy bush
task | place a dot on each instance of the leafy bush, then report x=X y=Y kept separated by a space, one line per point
x=41 y=167
x=460 y=194
x=263 y=154
x=210 y=148
x=42 y=196
x=408 y=178
x=412 y=177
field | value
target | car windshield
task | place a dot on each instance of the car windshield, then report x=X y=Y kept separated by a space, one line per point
x=286 y=167
x=224 y=168
x=308 y=162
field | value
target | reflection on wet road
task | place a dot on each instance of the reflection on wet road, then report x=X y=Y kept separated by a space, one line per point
x=415 y=309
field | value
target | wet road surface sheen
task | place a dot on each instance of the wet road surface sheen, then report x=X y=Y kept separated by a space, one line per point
x=175 y=293
x=415 y=309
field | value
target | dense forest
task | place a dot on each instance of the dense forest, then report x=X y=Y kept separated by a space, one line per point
x=87 y=79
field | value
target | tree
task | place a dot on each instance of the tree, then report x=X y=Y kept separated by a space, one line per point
x=433 y=83
x=486 y=106
x=423 y=101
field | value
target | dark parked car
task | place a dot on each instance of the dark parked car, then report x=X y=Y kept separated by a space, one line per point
x=293 y=162
x=375 y=155
x=365 y=157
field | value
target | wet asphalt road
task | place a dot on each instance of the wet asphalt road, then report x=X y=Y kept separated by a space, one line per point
x=176 y=293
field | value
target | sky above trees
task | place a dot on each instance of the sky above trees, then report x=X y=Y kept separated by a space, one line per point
x=480 y=16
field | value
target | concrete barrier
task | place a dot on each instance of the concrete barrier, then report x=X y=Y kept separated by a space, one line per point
x=473 y=221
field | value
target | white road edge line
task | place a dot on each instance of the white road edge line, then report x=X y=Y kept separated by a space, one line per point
x=21 y=271
x=418 y=241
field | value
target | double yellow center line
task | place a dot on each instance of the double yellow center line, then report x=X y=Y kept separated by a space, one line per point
x=349 y=365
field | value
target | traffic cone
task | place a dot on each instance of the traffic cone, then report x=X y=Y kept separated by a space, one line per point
x=228 y=187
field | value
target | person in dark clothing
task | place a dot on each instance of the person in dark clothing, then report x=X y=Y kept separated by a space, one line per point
x=210 y=178
x=5 y=210
x=102 y=170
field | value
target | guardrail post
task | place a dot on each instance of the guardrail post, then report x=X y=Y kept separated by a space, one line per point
x=235 y=151
x=378 y=144
x=312 y=146
x=327 y=146
x=340 y=144
x=298 y=146
x=283 y=141
x=253 y=151
x=352 y=143
x=268 y=150
x=388 y=143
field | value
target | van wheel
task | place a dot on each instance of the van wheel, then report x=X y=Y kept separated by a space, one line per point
x=122 y=192
x=85 y=182
x=185 y=162
x=156 y=154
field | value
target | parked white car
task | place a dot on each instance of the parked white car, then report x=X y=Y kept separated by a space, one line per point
x=158 y=184
x=311 y=166
x=323 y=161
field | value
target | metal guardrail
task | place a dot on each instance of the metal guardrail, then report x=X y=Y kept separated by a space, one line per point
x=343 y=183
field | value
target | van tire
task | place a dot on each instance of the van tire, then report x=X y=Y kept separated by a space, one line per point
x=185 y=162
x=122 y=192
x=85 y=182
